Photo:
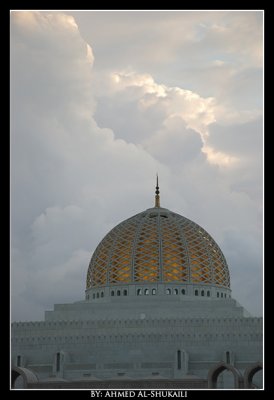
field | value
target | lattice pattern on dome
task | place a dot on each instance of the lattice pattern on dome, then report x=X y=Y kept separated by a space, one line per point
x=174 y=254
x=113 y=257
x=157 y=245
x=207 y=263
x=146 y=257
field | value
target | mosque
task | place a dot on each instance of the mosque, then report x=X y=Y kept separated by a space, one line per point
x=157 y=313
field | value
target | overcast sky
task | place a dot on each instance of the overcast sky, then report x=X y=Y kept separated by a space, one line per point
x=100 y=102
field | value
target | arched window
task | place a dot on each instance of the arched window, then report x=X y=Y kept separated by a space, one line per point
x=93 y=296
x=175 y=291
x=168 y=291
x=125 y=292
x=18 y=361
x=202 y=293
x=196 y=292
x=250 y=372
x=227 y=357
x=183 y=291
x=225 y=295
x=217 y=294
x=102 y=294
x=179 y=361
x=146 y=292
x=222 y=295
x=118 y=292
x=216 y=378
x=58 y=362
x=153 y=291
x=112 y=293
x=208 y=293
x=139 y=292
x=97 y=295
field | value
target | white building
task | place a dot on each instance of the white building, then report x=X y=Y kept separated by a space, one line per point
x=158 y=312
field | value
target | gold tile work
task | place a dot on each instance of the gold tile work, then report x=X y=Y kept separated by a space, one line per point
x=157 y=246
x=146 y=258
x=174 y=255
x=111 y=261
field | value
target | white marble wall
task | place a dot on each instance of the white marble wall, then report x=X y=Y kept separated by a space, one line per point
x=106 y=340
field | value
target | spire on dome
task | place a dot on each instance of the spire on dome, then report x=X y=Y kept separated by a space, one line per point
x=157 y=192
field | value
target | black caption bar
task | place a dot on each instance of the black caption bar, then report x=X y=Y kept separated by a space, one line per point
x=139 y=393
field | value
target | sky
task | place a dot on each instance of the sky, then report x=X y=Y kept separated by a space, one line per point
x=101 y=101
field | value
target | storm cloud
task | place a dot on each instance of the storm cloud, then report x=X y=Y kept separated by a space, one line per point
x=96 y=112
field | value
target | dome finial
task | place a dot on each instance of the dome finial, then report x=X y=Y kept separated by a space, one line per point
x=157 y=197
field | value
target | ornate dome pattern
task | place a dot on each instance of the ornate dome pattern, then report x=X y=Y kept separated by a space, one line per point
x=157 y=245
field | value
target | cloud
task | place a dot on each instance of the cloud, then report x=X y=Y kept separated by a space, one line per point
x=64 y=167
x=153 y=109
x=250 y=253
x=178 y=48
x=87 y=140
x=245 y=142
x=175 y=142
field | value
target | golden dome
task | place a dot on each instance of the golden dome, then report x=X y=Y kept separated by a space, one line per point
x=157 y=245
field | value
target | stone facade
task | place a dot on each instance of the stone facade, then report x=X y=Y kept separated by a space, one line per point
x=166 y=337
